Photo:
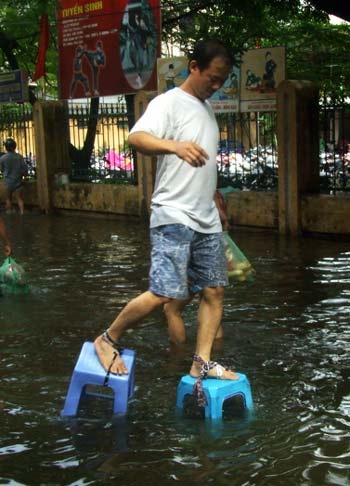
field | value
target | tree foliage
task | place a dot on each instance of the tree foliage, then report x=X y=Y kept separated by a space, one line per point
x=20 y=35
x=312 y=44
x=315 y=49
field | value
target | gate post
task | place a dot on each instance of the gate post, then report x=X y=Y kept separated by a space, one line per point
x=146 y=164
x=298 y=150
x=51 y=142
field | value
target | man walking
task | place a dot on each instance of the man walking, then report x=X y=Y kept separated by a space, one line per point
x=13 y=167
x=179 y=127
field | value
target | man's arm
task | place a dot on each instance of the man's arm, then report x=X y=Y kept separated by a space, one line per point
x=149 y=144
x=4 y=236
x=222 y=208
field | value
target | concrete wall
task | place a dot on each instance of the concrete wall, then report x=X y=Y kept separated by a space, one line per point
x=295 y=209
x=98 y=198
x=51 y=141
x=30 y=194
x=249 y=208
x=326 y=214
x=319 y=213
x=104 y=198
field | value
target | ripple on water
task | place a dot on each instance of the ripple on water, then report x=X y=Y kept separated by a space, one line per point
x=288 y=331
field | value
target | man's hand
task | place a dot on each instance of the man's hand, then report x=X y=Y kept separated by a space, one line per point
x=148 y=144
x=191 y=152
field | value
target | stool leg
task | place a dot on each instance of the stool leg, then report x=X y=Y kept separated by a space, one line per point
x=181 y=392
x=73 y=398
x=248 y=399
x=131 y=383
x=121 y=398
x=214 y=406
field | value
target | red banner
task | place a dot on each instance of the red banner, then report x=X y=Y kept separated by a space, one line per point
x=108 y=47
x=43 y=45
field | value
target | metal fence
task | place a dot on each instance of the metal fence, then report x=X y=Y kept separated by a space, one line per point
x=334 y=146
x=16 y=121
x=247 y=155
x=111 y=159
x=247 y=152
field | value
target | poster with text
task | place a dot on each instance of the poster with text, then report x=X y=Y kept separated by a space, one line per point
x=107 y=47
x=261 y=72
x=226 y=99
x=14 y=86
x=172 y=72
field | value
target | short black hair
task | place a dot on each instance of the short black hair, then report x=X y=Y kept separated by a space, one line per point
x=10 y=144
x=206 y=50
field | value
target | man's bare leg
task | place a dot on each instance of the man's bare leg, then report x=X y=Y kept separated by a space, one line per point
x=209 y=319
x=19 y=200
x=8 y=202
x=176 y=326
x=133 y=312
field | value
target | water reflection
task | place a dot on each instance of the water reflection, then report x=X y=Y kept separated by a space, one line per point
x=288 y=331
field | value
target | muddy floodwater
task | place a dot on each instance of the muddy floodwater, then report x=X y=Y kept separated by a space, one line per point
x=288 y=331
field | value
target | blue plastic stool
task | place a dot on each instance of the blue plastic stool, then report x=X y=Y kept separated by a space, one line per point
x=89 y=371
x=216 y=391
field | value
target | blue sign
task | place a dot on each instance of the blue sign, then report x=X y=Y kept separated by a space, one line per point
x=13 y=87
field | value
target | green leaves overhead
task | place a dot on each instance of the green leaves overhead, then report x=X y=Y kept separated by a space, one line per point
x=316 y=50
x=20 y=35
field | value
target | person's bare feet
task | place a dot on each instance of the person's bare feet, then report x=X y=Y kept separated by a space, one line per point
x=216 y=371
x=107 y=356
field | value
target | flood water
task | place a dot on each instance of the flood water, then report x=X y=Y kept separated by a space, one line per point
x=288 y=331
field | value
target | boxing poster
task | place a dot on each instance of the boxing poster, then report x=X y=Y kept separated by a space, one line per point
x=107 y=47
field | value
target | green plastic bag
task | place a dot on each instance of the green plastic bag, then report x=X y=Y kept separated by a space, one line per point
x=239 y=267
x=13 y=277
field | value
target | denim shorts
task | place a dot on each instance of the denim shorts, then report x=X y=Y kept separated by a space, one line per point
x=12 y=186
x=181 y=255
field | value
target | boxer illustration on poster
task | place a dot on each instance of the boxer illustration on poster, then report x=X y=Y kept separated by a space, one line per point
x=138 y=43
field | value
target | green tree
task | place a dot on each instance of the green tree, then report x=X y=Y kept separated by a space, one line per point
x=19 y=38
x=239 y=24
x=19 y=44
x=316 y=50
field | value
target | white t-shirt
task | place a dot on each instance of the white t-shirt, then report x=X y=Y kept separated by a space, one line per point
x=183 y=194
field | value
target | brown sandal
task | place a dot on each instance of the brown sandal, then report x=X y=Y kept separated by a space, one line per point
x=106 y=337
x=206 y=366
